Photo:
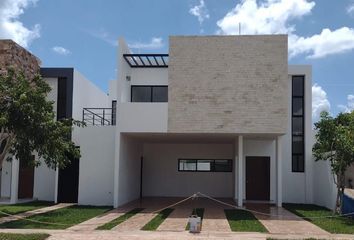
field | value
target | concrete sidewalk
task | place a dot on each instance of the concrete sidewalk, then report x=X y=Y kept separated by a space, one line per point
x=167 y=235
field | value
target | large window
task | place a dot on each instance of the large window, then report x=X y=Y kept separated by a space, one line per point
x=205 y=165
x=149 y=94
x=297 y=129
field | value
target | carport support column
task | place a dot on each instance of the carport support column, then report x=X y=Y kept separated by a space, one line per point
x=279 y=172
x=116 y=170
x=15 y=167
x=240 y=172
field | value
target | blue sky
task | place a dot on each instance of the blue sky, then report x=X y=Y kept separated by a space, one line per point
x=82 y=34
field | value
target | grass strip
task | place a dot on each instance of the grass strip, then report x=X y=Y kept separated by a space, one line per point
x=64 y=218
x=199 y=212
x=340 y=225
x=13 y=236
x=23 y=207
x=119 y=219
x=243 y=221
x=156 y=221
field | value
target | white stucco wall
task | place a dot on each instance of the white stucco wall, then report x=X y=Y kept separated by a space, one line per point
x=128 y=169
x=6 y=179
x=86 y=94
x=142 y=117
x=44 y=183
x=149 y=76
x=112 y=90
x=124 y=70
x=324 y=187
x=261 y=148
x=53 y=94
x=161 y=176
x=96 y=165
x=297 y=186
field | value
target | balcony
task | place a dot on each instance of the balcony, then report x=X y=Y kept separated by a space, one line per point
x=99 y=116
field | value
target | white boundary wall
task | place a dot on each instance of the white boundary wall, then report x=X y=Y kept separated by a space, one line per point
x=96 y=165
x=162 y=178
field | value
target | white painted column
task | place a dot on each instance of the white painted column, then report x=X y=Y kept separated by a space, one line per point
x=116 y=169
x=279 y=171
x=239 y=172
x=15 y=167
x=56 y=185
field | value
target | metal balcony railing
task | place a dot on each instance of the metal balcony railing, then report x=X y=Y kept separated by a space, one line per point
x=99 y=116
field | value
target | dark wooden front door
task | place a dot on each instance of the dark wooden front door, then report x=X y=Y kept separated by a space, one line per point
x=258 y=178
x=26 y=181
x=68 y=182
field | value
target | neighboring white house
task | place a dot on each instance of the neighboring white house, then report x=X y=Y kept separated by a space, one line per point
x=222 y=115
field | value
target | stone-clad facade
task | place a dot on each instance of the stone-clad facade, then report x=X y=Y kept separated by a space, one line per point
x=229 y=84
x=14 y=56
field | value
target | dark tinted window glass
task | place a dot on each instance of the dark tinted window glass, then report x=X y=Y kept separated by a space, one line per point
x=298 y=163
x=204 y=165
x=298 y=86
x=141 y=94
x=223 y=166
x=297 y=106
x=187 y=165
x=114 y=112
x=297 y=126
x=298 y=123
x=159 y=94
x=298 y=145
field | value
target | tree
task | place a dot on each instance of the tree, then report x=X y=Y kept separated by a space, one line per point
x=335 y=143
x=28 y=124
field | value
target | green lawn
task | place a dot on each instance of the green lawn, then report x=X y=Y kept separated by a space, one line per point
x=199 y=212
x=333 y=225
x=156 y=221
x=22 y=207
x=120 y=219
x=13 y=236
x=243 y=221
x=64 y=217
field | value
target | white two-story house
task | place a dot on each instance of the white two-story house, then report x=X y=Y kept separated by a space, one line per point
x=222 y=115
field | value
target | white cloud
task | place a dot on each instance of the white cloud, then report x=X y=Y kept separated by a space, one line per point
x=102 y=34
x=200 y=11
x=350 y=9
x=350 y=104
x=276 y=17
x=320 y=45
x=155 y=43
x=10 y=25
x=320 y=102
x=61 y=50
x=267 y=17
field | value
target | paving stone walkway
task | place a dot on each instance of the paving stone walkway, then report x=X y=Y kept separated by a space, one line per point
x=177 y=220
x=34 y=212
x=136 y=222
x=95 y=222
x=215 y=220
x=284 y=222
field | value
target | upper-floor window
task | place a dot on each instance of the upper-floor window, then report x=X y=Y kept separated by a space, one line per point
x=149 y=93
x=297 y=129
